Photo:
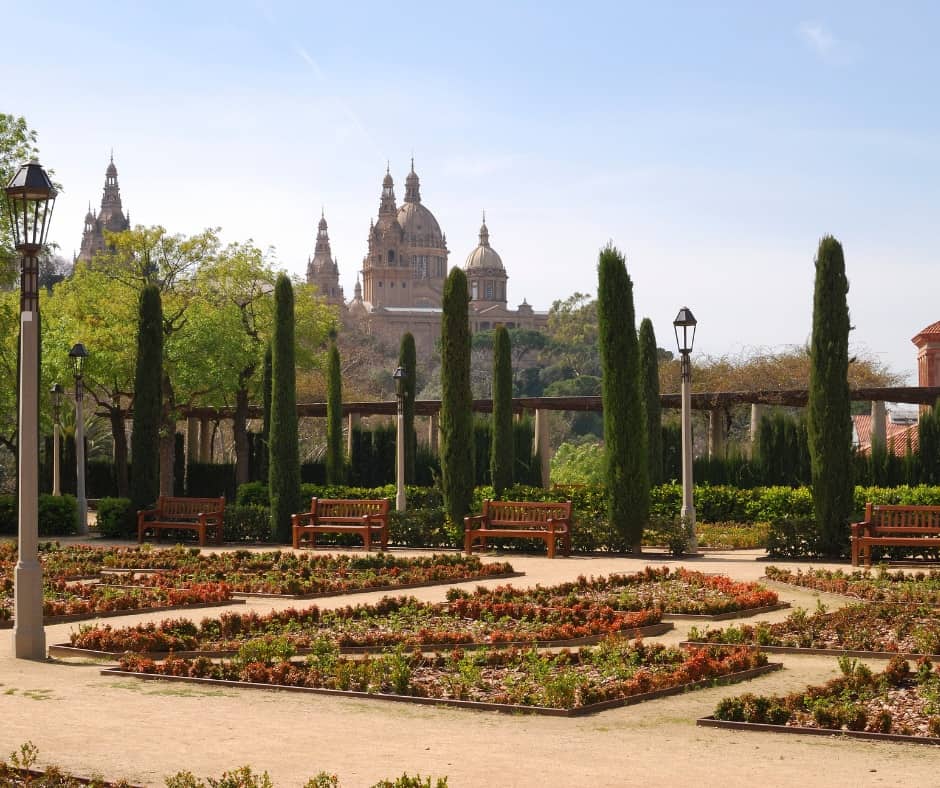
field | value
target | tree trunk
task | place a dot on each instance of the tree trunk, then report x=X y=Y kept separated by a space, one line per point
x=240 y=430
x=118 y=432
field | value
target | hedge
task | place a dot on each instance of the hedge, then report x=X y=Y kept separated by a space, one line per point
x=58 y=515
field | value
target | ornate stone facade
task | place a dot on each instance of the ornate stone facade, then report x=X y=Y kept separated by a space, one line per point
x=111 y=217
x=404 y=269
x=322 y=268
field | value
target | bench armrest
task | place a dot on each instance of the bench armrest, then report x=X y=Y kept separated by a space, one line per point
x=143 y=514
x=296 y=518
x=859 y=529
x=474 y=519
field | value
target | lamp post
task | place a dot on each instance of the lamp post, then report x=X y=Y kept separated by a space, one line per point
x=684 y=326
x=30 y=199
x=400 y=502
x=77 y=356
x=56 y=393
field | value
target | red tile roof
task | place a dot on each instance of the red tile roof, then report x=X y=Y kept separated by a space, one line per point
x=896 y=434
x=931 y=331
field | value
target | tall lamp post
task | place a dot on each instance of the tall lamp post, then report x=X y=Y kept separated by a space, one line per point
x=30 y=199
x=684 y=326
x=56 y=393
x=400 y=502
x=77 y=356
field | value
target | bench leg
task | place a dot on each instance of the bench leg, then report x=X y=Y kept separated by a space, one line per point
x=367 y=539
x=551 y=545
x=468 y=543
x=296 y=530
x=202 y=535
x=854 y=552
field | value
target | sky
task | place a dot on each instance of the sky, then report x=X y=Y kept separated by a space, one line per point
x=713 y=143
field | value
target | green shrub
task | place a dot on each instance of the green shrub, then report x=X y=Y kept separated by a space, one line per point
x=8 y=514
x=253 y=494
x=247 y=523
x=58 y=515
x=117 y=518
x=421 y=528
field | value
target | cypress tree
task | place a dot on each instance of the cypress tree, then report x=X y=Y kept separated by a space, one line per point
x=628 y=490
x=501 y=442
x=263 y=454
x=334 y=417
x=407 y=360
x=457 y=472
x=148 y=400
x=649 y=381
x=284 y=451
x=829 y=421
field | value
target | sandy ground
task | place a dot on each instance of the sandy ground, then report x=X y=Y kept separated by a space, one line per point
x=144 y=731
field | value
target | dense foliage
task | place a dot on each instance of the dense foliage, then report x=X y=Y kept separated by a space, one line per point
x=624 y=424
x=284 y=462
x=829 y=417
x=649 y=383
x=148 y=380
x=457 y=466
x=335 y=470
x=501 y=443
x=407 y=360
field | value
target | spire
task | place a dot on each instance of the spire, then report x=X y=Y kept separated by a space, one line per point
x=111 y=212
x=387 y=205
x=412 y=185
x=484 y=232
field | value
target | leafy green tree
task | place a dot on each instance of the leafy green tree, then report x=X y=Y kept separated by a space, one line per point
x=148 y=378
x=829 y=420
x=457 y=471
x=334 y=417
x=501 y=446
x=649 y=382
x=624 y=423
x=17 y=147
x=408 y=361
x=284 y=461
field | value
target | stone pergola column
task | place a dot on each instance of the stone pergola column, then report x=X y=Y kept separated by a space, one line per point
x=543 y=447
x=352 y=421
x=757 y=412
x=205 y=439
x=879 y=427
x=716 y=433
x=434 y=429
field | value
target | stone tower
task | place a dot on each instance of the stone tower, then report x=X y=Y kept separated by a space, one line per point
x=111 y=217
x=322 y=269
x=927 y=342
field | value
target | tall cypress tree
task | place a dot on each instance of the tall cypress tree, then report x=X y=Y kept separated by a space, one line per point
x=148 y=400
x=829 y=420
x=284 y=450
x=457 y=473
x=628 y=488
x=407 y=360
x=501 y=443
x=265 y=414
x=334 y=417
x=649 y=381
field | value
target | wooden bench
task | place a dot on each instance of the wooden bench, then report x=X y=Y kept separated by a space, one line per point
x=895 y=526
x=549 y=522
x=366 y=517
x=201 y=515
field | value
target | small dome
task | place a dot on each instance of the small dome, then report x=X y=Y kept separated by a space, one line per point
x=484 y=256
x=387 y=181
x=111 y=172
x=89 y=217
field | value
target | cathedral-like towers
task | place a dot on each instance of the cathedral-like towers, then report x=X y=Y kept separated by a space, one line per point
x=322 y=269
x=406 y=262
x=111 y=217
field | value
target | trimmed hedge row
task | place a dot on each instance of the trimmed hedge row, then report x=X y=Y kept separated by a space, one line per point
x=58 y=515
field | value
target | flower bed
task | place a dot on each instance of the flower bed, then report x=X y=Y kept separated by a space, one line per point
x=674 y=592
x=896 y=702
x=877 y=629
x=402 y=621
x=880 y=586
x=188 y=572
x=610 y=674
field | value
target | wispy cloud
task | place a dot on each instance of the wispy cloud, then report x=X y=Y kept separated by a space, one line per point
x=826 y=46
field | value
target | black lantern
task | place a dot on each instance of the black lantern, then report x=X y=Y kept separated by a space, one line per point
x=77 y=356
x=686 y=321
x=56 y=393
x=399 y=377
x=30 y=198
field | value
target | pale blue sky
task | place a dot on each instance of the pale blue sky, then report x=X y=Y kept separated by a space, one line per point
x=714 y=143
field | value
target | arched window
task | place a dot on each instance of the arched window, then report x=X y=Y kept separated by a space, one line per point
x=391 y=256
x=474 y=291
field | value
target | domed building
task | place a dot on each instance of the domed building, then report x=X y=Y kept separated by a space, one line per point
x=111 y=217
x=404 y=269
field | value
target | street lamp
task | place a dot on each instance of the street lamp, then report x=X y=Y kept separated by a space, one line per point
x=30 y=198
x=400 y=376
x=77 y=356
x=684 y=326
x=56 y=393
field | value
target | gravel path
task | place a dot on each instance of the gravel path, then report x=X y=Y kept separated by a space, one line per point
x=144 y=731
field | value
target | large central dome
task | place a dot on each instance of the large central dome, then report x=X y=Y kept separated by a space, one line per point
x=418 y=223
